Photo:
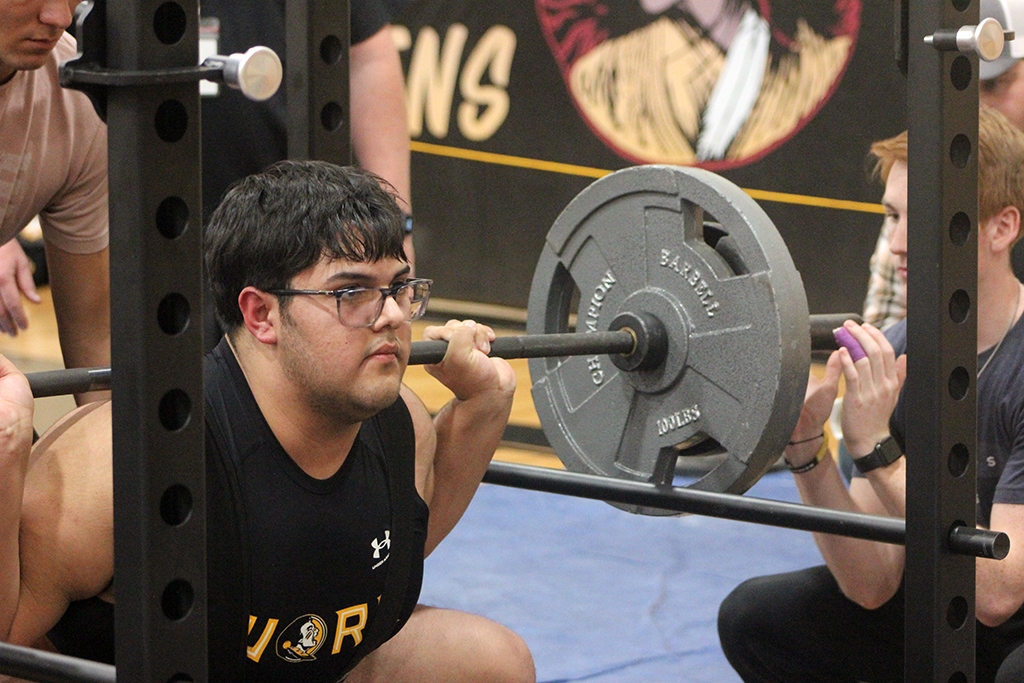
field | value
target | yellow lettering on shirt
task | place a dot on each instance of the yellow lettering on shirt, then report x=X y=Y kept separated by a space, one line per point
x=345 y=629
x=256 y=651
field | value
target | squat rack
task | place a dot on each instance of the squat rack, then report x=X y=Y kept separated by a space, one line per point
x=158 y=422
x=942 y=113
x=156 y=295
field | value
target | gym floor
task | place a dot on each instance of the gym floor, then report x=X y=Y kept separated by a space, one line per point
x=598 y=594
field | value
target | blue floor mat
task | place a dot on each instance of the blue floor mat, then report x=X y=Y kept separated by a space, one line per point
x=603 y=595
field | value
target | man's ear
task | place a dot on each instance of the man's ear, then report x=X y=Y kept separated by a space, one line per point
x=1002 y=228
x=259 y=314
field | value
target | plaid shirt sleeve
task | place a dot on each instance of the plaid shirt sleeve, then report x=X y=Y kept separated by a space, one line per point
x=886 y=300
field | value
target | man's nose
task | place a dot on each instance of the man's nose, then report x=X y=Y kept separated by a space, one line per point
x=391 y=315
x=57 y=12
x=898 y=241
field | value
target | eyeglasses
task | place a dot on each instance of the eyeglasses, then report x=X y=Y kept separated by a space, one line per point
x=362 y=306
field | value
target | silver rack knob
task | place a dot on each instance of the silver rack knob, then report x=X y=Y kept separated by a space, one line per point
x=986 y=39
x=257 y=73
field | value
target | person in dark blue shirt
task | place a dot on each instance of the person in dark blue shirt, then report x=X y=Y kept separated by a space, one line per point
x=844 y=621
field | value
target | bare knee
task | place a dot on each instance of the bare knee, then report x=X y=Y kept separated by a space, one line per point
x=509 y=657
x=484 y=651
x=447 y=646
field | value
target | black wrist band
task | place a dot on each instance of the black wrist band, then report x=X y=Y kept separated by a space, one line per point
x=811 y=464
x=797 y=443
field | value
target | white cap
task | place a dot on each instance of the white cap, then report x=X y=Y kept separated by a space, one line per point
x=1010 y=14
x=257 y=72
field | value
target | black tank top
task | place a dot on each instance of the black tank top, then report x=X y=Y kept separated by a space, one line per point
x=316 y=551
x=295 y=565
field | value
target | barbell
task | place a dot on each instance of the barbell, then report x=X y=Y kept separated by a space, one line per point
x=615 y=343
x=666 y=319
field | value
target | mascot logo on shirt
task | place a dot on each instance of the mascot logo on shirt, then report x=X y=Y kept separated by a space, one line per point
x=710 y=83
x=303 y=637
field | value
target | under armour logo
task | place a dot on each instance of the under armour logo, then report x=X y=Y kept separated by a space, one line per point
x=381 y=545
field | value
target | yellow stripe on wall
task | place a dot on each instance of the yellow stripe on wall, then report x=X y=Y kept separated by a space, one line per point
x=588 y=172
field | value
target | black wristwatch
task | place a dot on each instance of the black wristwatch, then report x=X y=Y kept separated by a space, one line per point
x=886 y=452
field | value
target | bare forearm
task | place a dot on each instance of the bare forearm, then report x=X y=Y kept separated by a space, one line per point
x=468 y=432
x=997 y=595
x=80 y=285
x=380 y=132
x=1000 y=583
x=868 y=572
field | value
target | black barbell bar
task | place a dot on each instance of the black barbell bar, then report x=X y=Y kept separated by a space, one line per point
x=622 y=343
x=47 y=667
x=68 y=381
x=962 y=539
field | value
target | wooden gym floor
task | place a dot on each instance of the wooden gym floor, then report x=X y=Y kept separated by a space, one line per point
x=38 y=348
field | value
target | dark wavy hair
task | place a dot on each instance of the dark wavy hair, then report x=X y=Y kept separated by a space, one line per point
x=273 y=225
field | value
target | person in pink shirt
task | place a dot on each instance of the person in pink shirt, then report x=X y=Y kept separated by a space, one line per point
x=53 y=164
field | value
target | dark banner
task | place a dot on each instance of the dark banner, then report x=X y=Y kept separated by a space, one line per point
x=516 y=106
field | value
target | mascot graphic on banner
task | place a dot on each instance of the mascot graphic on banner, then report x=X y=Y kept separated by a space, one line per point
x=710 y=83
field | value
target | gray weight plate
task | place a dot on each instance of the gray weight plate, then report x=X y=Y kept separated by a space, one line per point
x=642 y=240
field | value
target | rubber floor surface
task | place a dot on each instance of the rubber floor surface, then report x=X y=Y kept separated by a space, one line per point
x=602 y=595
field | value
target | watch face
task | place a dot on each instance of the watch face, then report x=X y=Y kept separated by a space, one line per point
x=888 y=450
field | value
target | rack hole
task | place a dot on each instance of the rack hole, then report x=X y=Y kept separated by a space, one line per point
x=960 y=150
x=172 y=217
x=169 y=23
x=960 y=72
x=173 y=314
x=175 y=410
x=959 y=306
x=956 y=613
x=958 y=459
x=959 y=383
x=331 y=116
x=959 y=228
x=176 y=505
x=331 y=50
x=177 y=599
x=171 y=120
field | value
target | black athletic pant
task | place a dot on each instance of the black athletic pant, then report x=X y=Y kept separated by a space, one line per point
x=800 y=627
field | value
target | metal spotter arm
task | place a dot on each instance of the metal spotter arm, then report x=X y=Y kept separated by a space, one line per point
x=963 y=540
